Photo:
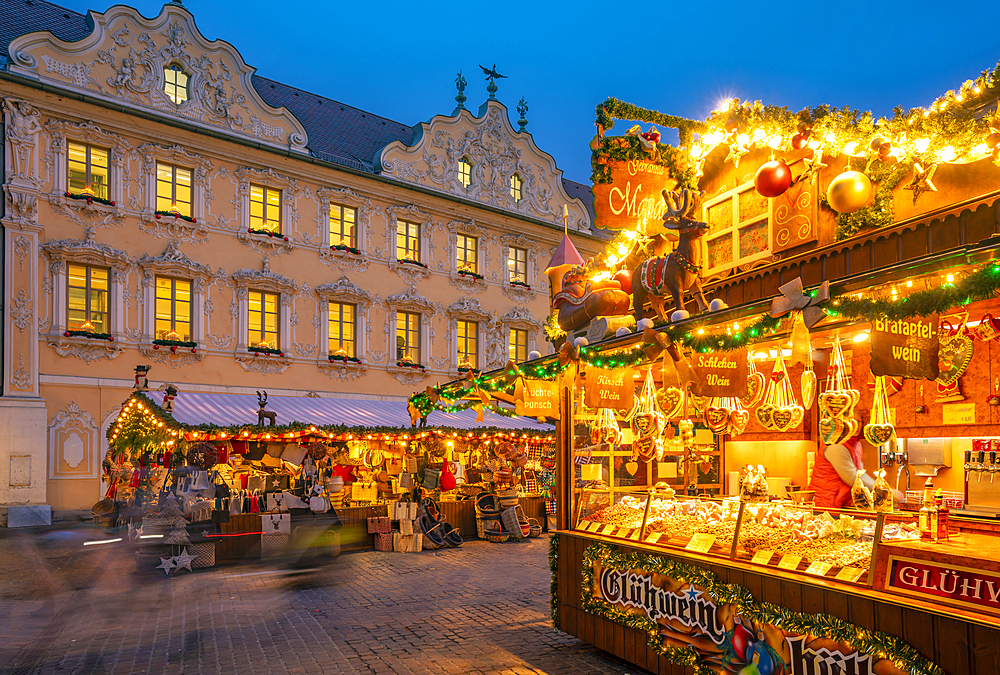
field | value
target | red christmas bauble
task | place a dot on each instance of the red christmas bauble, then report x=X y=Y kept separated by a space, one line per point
x=773 y=178
x=875 y=144
x=883 y=150
x=803 y=128
x=992 y=141
x=799 y=141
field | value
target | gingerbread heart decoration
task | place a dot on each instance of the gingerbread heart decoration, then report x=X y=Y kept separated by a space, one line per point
x=836 y=403
x=670 y=400
x=798 y=414
x=755 y=390
x=954 y=356
x=850 y=430
x=647 y=424
x=808 y=382
x=830 y=429
x=631 y=467
x=763 y=415
x=739 y=419
x=879 y=434
x=716 y=419
x=782 y=418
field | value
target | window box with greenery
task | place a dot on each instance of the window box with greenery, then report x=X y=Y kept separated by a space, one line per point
x=89 y=198
x=173 y=345
x=89 y=334
x=343 y=358
x=470 y=274
x=270 y=233
x=270 y=351
x=346 y=248
x=410 y=364
x=411 y=261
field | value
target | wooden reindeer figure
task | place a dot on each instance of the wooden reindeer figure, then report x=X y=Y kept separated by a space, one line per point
x=678 y=272
x=262 y=414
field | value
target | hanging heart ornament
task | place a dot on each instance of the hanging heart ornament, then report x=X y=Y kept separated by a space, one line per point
x=755 y=390
x=808 y=382
x=670 y=400
x=954 y=356
x=632 y=467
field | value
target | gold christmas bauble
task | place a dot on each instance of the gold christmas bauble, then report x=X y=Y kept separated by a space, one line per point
x=849 y=192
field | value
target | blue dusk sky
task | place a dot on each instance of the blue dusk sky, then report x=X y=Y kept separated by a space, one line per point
x=399 y=60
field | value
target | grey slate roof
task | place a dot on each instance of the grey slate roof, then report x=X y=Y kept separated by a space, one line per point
x=338 y=132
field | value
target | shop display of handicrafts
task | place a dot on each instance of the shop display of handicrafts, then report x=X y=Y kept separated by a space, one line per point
x=836 y=404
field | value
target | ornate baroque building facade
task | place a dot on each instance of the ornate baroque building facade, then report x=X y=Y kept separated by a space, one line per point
x=164 y=205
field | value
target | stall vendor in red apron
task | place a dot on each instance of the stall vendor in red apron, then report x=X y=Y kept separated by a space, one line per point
x=836 y=469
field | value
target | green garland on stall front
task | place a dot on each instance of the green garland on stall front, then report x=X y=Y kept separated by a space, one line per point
x=901 y=653
x=612 y=109
x=623 y=148
x=554 y=584
x=880 y=213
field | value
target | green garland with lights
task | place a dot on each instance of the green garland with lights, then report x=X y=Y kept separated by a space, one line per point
x=554 y=584
x=134 y=435
x=880 y=213
x=901 y=653
x=623 y=148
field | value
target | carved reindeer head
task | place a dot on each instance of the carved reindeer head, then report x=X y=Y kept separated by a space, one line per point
x=262 y=401
x=679 y=204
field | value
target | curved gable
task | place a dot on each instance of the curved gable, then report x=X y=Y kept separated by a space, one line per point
x=496 y=152
x=123 y=60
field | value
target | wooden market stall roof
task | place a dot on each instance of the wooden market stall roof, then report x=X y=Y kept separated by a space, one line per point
x=204 y=416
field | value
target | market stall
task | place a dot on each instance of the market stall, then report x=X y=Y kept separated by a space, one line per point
x=777 y=400
x=236 y=477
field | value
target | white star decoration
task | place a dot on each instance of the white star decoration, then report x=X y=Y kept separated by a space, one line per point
x=184 y=560
x=167 y=565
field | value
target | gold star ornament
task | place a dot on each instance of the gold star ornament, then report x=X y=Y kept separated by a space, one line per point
x=921 y=181
x=811 y=166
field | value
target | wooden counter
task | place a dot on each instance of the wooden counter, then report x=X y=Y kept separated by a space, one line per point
x=960 y=641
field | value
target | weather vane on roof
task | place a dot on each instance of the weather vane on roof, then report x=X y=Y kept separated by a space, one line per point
x=491 y=75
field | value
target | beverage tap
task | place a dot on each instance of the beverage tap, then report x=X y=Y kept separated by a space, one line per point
x=993 y=465
x=968 y=465
x=980 y=465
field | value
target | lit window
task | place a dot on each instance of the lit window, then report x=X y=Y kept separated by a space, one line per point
x=342 y=221
x=465 y=172
x=173 y=189
x=515 y=187
x=173 y=309
x=88 y=170
x=518 y=345
x=87 y=302
x=408 y=336
x=517 y=264
x=175 y=84
x=467 y=248
x=739 y=229
x=342 y=334
x=265 y=209
x=468 y=344
x=263 y=322
x=407 y=240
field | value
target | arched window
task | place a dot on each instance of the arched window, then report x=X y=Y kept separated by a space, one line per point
x=175 y=83
x=465 y=172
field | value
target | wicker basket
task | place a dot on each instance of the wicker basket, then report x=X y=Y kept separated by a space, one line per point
x=508 y=498
x=378 y=525
x=487 y=504
x=487 y=525
x=515 y=523
x=204 y=554
x=534 y=528
x=498 y=538
x=383 y=542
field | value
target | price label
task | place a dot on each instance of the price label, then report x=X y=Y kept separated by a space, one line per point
x=634 y=535
x=623 y=532
x=592 y=526
x=653 y=538
x=789 y=561
x=700 y=543
x=762 y=557
x=818 y=568
x=849 y=574
x=608 y=529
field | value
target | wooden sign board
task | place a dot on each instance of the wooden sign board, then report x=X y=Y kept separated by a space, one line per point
x=722 y=374
x=905 y=348
x=633 y=195
x=610 y=388
x=537 y=398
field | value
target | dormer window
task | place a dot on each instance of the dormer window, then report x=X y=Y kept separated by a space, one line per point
x=515 y=187
x=175 y=84
x=465 y=172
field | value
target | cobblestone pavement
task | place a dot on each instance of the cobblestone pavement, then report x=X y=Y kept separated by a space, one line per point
x=482 y=608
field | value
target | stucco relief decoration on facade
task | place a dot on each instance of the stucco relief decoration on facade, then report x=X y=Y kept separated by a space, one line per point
x=73 y=444
x=22 y=247
x=23 y=123
x=22 y=209
x=497 y=152
x=21 y=310
x=125 y=57
x=87 y=212
x=21 y=378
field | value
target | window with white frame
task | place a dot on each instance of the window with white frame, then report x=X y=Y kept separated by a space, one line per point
x=467 y=253
x=343 y=221
x=173 y=309
x=173 y=189
x=263 y=320
x=467 y=337
x=342 y=331
x=265 y=209
x=175 y=83
x=408 y=332
x=407 y=240
x=517 y=264
x=87 y=170
x=739 y=229
x=517 y=345
x=465 y=172
x=87 y=298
